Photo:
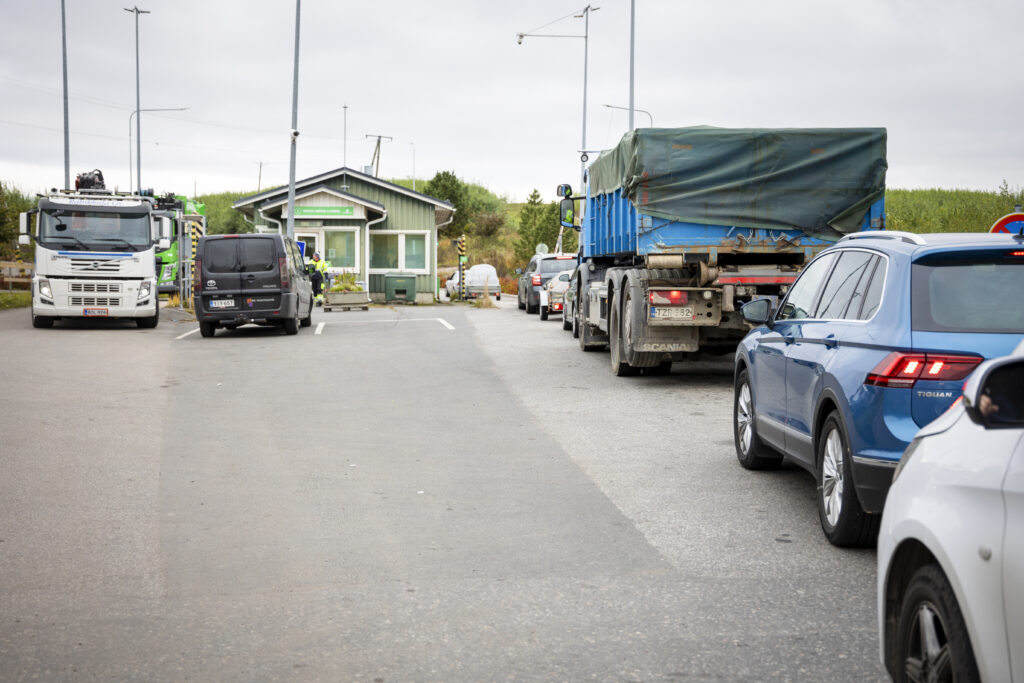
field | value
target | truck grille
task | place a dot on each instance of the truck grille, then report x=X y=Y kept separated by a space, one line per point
x=95 y=265
x=110 y=287
x=95 y=301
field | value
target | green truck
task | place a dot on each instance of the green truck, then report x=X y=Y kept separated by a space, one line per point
x=188 y=222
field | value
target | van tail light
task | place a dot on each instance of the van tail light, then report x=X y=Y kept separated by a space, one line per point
x=904 y=369
x=535 y=279
x=667 y=297
x=282 y=267
x=197 y=276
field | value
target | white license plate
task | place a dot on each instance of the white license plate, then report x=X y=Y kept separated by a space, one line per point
x=222 y=303
x=673 y=313
x=95 y=312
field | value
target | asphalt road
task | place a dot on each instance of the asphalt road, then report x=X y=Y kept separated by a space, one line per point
x=422 y=493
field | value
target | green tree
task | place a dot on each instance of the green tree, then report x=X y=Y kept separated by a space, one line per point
x=12 y=203
x=531 y=217
x=447 y=186
x=221 y=219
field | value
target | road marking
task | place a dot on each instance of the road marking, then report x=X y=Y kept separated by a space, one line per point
x=182 y=336
x=389 y=322
x=319 y=328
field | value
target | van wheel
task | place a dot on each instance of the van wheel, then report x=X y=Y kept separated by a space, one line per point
x=842 y=518
x=291 y=325
x=308 y=320
x=207 y=329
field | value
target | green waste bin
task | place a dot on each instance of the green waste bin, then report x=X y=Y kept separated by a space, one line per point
x=400 y=287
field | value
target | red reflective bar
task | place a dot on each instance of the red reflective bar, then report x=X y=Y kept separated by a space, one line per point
x=756 y=279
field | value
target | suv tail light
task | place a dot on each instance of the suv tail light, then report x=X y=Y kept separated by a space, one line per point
x=197 y=276
x=904 y=369
x=535 y=279
x=667 y=297
x=282 y=267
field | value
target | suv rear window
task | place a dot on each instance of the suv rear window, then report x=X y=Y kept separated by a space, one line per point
x=555 y=265
x=968 y=293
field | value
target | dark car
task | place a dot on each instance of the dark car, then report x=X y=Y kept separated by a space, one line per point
x=872 y=342
x=540 y=269
x=256 y=278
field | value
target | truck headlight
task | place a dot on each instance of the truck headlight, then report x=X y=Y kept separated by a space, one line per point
x=44 y=288
x=144 y=290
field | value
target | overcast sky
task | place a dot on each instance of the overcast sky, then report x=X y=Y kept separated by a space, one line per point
x=447 y=81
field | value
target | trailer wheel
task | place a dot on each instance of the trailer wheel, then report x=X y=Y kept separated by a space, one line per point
x=620 y=366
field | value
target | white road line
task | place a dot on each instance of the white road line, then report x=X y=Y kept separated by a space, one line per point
x=388 y=322
x=319 y=328
x=182 y=336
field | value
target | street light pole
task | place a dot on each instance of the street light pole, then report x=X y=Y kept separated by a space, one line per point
x=130 y=138
x=67 y=148
x=138 y=119
x=631 y=110
x=295 y=128
x=413 y=145
x=632 y=51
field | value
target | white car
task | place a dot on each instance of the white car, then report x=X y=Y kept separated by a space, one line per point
x=951 y=544
x=481 y=280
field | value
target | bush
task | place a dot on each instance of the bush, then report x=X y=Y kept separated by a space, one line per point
x=345 y=282
x=15 y=299
x=509 y=285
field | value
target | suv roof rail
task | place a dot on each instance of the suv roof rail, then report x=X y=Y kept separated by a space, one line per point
x=908 y=237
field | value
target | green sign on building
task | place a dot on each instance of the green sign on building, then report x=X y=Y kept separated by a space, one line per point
x=325 y=211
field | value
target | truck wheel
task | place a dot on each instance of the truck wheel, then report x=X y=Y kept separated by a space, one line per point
x=750 y=450
x=42 y=321
x=660 y=370
x=151 y=322
x=207 y=329
x=842 y=519
x=620 y=366
x=543 y=312
x=638 y=359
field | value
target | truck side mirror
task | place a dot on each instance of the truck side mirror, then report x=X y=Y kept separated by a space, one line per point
x=564 y=190
x=567 y=213
x=24 y=240
x=23 y=223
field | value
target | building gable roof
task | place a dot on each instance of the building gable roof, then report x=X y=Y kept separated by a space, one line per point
x=274 y=202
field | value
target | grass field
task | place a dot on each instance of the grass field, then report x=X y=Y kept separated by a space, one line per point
x=15 y=300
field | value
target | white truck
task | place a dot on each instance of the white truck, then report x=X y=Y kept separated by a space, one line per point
x=95 y=254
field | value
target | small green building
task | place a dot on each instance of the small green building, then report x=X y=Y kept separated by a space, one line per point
x=359 y=224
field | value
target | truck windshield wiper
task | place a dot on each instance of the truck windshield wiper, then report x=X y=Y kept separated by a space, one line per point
x=68 y=237
x=116 y=239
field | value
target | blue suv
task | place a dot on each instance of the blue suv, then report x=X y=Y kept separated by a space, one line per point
x=872 y=342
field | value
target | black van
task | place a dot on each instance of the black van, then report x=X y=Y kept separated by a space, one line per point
x=257 y=278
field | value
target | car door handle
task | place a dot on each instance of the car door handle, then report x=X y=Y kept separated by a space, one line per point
x=250 y=277
x=830 y=341
x=788 y=339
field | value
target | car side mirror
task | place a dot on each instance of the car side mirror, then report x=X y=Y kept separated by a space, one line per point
x=519 y=271
x=758 y=312
x=992 y=395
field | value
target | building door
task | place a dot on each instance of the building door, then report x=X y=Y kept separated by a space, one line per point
x=307 y=244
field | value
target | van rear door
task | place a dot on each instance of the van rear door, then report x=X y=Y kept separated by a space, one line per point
x=222 y=284
x=260 y=274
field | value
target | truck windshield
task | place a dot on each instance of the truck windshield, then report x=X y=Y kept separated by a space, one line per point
x=85 y=230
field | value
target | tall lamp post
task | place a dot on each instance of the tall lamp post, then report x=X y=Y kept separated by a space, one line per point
x=130 y=140
x=64 y=51
x=295 y=128
x=585 y=15
x=631 y=110
x=138 y=119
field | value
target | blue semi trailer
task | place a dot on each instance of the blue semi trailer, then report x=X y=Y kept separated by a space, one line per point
x=682 y=226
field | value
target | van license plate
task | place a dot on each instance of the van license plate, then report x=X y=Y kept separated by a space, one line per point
x=95 y=312
x=674 y=313
x=222 y=303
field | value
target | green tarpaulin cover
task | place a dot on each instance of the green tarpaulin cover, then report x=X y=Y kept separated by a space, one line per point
x=819 y=180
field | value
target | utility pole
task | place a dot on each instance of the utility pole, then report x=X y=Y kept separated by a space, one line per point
x=259 y=178
x=632 y=54
x=138 y=117
x=295 y=128
x=67 y=149
x=344 y=136
x=376 y=153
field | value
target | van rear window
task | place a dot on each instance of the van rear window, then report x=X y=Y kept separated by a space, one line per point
x=221 y=256
x=969 y=293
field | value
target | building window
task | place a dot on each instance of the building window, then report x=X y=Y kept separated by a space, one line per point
x=397 y=250
x=384 y=251
x=341 y=248
x=415 y=252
